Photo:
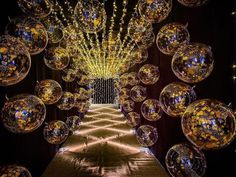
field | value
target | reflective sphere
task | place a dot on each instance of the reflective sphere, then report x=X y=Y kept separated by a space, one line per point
x=151 y=110
x=185 y=160
x=128 y=105
x=171 y=37
x=133 y=79
x=90 y=15
x=209 y=124
x=124 y=93
x=84 y=80
x=82 y=106
x=15 y=61
x=73 y=123
x=66 y=102
x=81 y=94
x=176 y=97
x=192 y=3
x=123 y=81
x=147 y=41
x=138 y=93
x=154 y=11
x=23 y=113
x=29 y=31
x=147 y=135
x=14 y=171
x=35 y=8
x=56 y=58
x=139 y=55
x=49 y=91
x=193 y=63
x=149 y=74
x=133 y=119
x=56 y=132
x=68 y=75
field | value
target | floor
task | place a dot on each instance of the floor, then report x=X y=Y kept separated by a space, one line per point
x=104 y=146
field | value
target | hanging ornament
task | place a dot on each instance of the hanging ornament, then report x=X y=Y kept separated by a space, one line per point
x=56 y=58
x=133 y=119
x=84 y=80
x=124 y=93
x=147 y=41
x=171 y=37
x=149 y=74
x=73 y=123
x=68 y=75
x=29 y=31
x=209 y=124
x=193 y=63
x=49 y=91
x=90 y=15
x=66 y=102
x=123 y=81
x=55 y=132
x=23 y=113
x=128 y=105
x=185 y=160
x=154 y=11
x=192 y=3
x=82 y=106
x=139 y=55
x=81 y=94
x=133 y=79
x=35 y=8
x=151 y=110
x=176 y=97
x=147 y=135
x=138 y=93
x=15 y=61
x=14 y=171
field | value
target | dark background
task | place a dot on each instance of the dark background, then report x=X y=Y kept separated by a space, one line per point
x=211 y=24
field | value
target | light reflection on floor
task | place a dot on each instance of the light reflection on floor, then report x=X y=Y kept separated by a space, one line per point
x=104 y=147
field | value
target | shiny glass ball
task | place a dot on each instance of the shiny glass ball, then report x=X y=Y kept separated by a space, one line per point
x=56 y=132
x=15 y=61
x=133 y=119
x=49 y=91
x=124 y=93
x=209 y=124
x=66 y=101
x=176 y=97
x=73 y=122
x=133 y=79
x=138 y=93
x=84 y=80
x=68 y=75
x=81 y=94
x=23 y=113
x=14 y=171
x=185 y=160
x=139 y=55
x=151 y=110
x=128 y=105
x=147 y=135
x=82 y=106
x=193 y=63
x=149 y=74
x=192 y=3
x=171 y=37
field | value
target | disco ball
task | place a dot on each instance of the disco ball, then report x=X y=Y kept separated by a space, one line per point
x=138 y=93
x=90 y=15
x=23 y=113
x=133 y=79
x=185 y=160
x=29 y=31
x=14 y=171
x=147 y=135
x=133 y=119
x=123 y=81
x=139 y=55
x=209 y=124
x=154 y=11
x=128 y=105
x=193 y=63
x=176 y=97
x=56 y=58
x=68 y=75
x=49 y=91
x=66 y=101
x=82 y=106
x=124 y=93
x=149 y=74
x=55 y=132
x=171 y=37
x=35 y=8
x=151 y=110
x=15 y=61
x=73 y=122
x=192 y=3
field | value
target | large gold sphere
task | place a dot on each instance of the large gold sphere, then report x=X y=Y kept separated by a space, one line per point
x=15 y=61
x=23 y=113
x=209 y=124
x=14 y=171
x=149 y=74
x=192 y=3
x=193 y=63
x=151 y=110
x=176 y=97
x=147 y=135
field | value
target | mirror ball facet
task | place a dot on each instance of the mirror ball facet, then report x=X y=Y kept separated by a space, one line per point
x=14 y=171
x=15 y=61
x=147 y=135
x=49 y=91
x=56 y=132
x=23 y=113
x=185 y=160
x=66 y=101
x=151 y=110
x=133 y=119
x=149 y=74
x=176 y=97
x=209 y=124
